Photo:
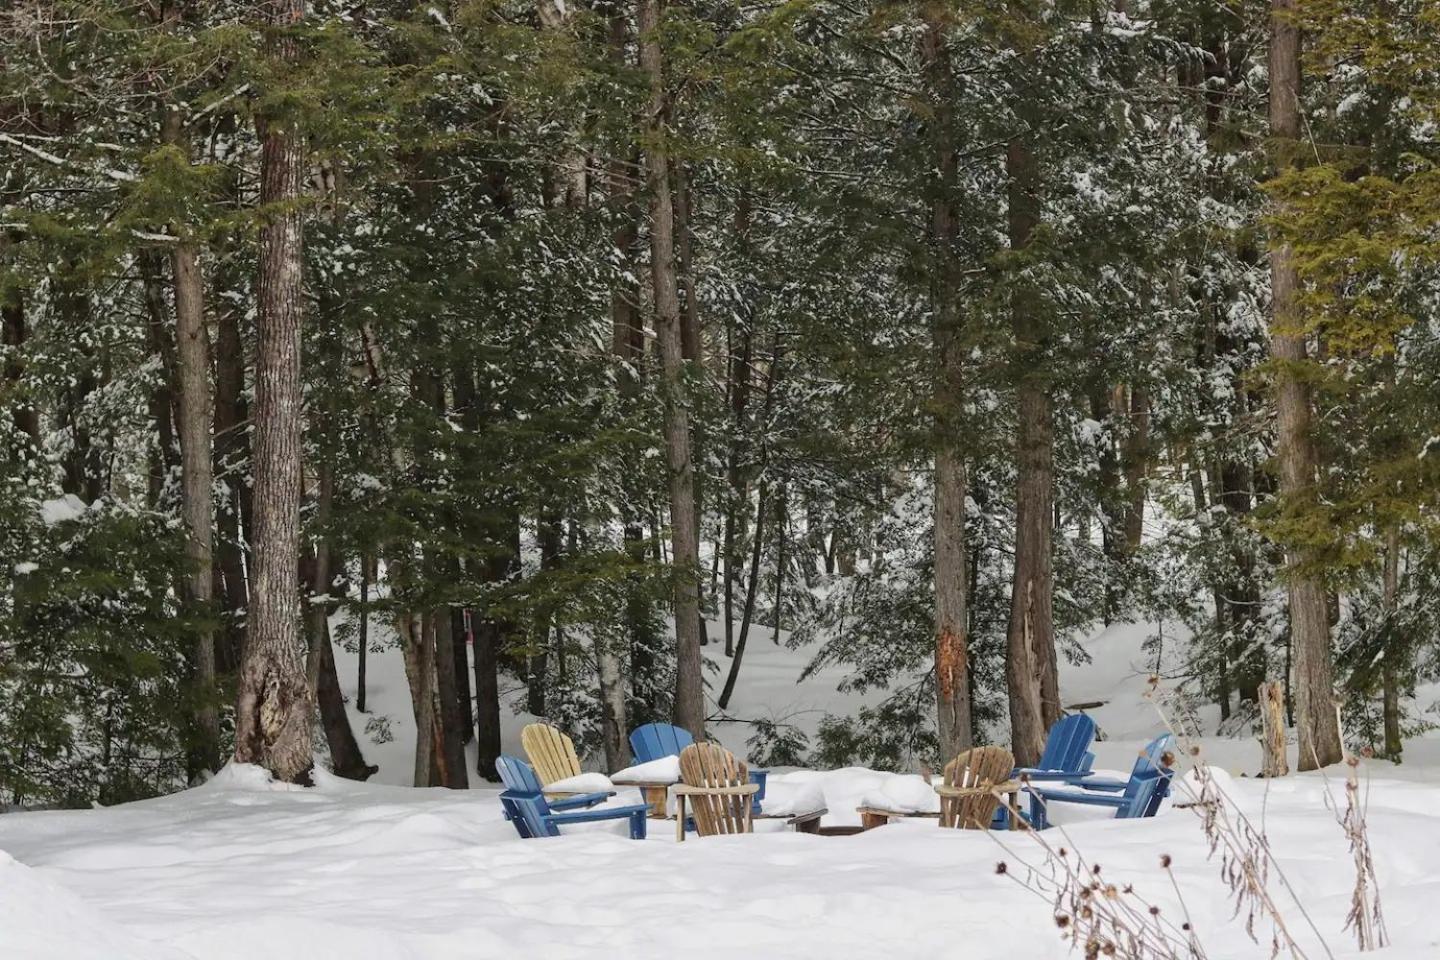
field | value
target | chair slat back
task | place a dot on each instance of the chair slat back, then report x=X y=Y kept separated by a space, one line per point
x=522 y=798
x=655 y=740
x=552 y=752
x=711 y=765
x=1067 y=742
x=1155 y=755
x=980 y=769
x=1143 y=795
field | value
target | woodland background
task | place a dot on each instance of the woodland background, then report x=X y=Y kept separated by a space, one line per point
x=926 y=332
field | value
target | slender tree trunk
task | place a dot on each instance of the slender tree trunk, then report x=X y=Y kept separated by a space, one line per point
x=689 y=707
x=453 y=722
x=1318 y=726
x=364 y=637
x=345 y=754
x=1030 y=643
x=492 y=635
x=691 y=344
x=273 y=711
x=464 y=702
x=952 y=655
x=232 y=456
x=1137 y=463
x=750 y=590
x=487 y=697
x=782 y=524
x=194 y=421
x=418 y=648
x=1394 y=662
x=548 y=533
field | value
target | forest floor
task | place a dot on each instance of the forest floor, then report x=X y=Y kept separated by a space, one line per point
x=242 y=868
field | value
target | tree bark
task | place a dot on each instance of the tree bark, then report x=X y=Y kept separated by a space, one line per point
x=346 y=758
x=952 y=655
x=1030 y=639
x=194 y=421
x=453 y=771
x=1313 y=685
x=1137 y=463
x=689 y=706
x=273 y=710
x=232 y=456
x=1394 y=660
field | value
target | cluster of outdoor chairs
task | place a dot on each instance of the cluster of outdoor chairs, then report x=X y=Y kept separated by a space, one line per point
x=981 y=789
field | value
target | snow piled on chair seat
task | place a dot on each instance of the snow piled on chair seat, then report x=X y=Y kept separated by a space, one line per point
x=581 y=783
x=663 y=770
x=242 y=869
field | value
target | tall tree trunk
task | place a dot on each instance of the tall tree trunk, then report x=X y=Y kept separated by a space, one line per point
x=1394 y=661
x=627 y=346
x=232 y=456
x=194 y=421
x=464 y=699
x=548 y=533
x=364 y=634
x=418 y=648
x=1030 y=638
x=492 y=636
x=691 y=341
x=488 y=641
x=1317 y=724
x=751 y=588
x=273 y=710
x=345 y=755
x=453 y=723
x=1137 y=463
x=952 y=654
x=689 y=708
x=782 y=525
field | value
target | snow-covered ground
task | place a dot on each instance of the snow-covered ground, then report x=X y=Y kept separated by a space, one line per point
x=242 y=868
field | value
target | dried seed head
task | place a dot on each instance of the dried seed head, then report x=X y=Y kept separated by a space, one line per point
x=1001 y=868
x=1110 y=892
x=1154 y=911
x=1165 y=860
x=1062 y=921
x=1063 y=853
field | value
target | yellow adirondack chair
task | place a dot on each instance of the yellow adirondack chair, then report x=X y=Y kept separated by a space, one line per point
x=973 y=784
x=551 y=753
x=719 y=789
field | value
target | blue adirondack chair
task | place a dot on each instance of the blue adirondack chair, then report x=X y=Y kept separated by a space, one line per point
x=535 y=816
x=1139 y=796
x=655 y=740
x=1066 y=759
x=1067 y=755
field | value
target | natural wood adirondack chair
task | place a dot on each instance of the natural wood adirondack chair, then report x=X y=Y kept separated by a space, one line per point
x=973 y=783
x=718 y=788
x=551 y=752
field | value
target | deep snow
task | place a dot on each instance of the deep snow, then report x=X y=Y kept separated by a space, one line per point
x=242 y=868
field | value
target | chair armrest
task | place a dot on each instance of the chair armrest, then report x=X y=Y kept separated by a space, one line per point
x=1006 y=786
x=581 y=800
x=604 y=813
x=1087 y=799
x=743 y=790
x=1038 y=776
x=1101 y=783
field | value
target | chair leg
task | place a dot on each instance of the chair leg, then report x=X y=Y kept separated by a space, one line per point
x=637 y=825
